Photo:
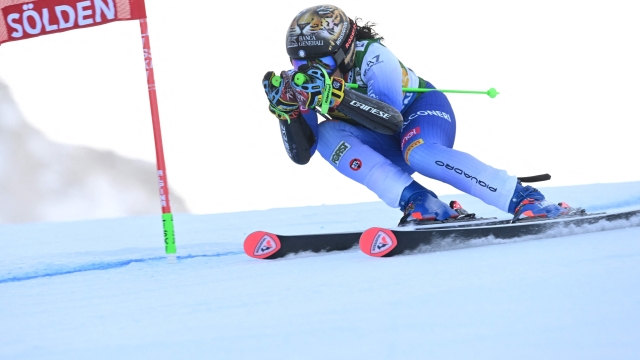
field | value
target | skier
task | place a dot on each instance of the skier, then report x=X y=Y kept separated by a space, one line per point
x=324 y=37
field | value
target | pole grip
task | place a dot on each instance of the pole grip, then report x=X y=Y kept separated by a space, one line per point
x=300 y=79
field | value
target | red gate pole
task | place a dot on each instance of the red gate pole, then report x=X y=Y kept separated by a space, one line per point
x=167 y=217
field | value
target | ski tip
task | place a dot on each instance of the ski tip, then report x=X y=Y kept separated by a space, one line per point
x=261 y=244
x=377 y=242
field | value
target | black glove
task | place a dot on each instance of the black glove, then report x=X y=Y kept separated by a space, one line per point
x=282 y=99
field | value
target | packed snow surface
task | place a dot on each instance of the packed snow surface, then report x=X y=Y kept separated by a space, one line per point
x=103 y=289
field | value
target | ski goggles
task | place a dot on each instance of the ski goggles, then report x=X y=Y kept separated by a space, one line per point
x=326 y=62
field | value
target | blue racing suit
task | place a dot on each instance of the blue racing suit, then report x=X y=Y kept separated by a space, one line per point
x=384 y=163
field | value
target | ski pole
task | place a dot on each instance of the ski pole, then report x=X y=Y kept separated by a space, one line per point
x=492 y=93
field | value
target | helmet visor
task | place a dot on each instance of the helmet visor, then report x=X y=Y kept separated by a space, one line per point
x=326 y=62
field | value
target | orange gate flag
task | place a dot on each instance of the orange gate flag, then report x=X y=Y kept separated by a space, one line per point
x=21 y=19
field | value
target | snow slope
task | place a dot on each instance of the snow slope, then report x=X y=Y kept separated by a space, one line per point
x=102 y=289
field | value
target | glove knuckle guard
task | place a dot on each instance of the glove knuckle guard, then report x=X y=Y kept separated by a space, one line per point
x=282 y=100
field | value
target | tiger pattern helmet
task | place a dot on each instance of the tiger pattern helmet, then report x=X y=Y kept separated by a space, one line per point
x=323 y=30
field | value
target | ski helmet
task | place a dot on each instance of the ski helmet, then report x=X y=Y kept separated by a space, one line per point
x=323 y=31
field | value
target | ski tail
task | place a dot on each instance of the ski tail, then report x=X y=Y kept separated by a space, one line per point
x=534 y=178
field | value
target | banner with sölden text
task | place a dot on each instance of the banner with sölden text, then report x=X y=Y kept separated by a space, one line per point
x=21 y=19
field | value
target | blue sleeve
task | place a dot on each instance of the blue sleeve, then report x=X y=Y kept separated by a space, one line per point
x=382 y=73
